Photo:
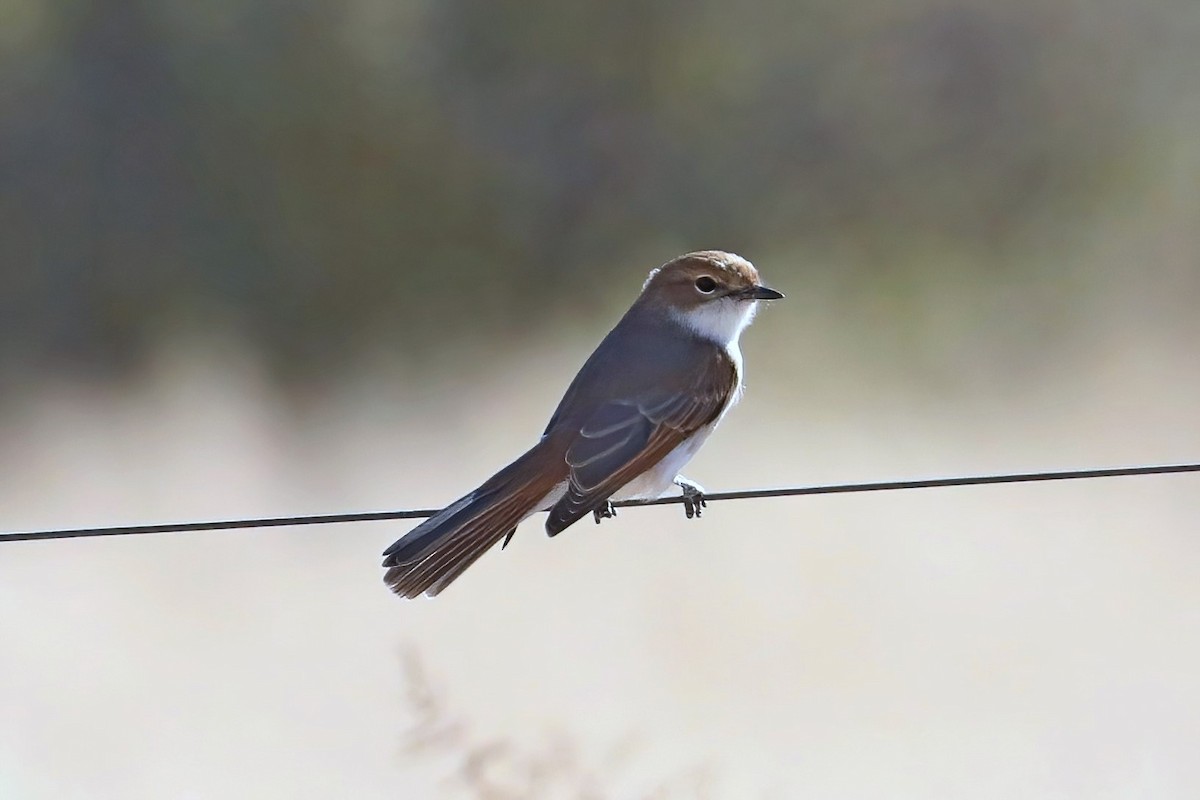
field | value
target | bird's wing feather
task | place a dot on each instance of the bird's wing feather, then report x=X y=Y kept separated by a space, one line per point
x=623 y=438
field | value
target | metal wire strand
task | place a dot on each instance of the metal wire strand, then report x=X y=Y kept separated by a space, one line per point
x=745 y=494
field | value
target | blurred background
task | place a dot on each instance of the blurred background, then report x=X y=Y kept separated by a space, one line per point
x=266 y=258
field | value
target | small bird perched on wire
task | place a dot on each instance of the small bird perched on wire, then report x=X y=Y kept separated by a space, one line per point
x=637 y=411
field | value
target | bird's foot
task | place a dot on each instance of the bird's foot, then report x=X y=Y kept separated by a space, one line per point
x=693 y=497
x=606 y=511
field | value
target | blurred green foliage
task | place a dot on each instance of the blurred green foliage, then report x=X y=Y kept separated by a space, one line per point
x=323 y=176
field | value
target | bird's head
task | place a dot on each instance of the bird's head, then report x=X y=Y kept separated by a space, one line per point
x=710 y=292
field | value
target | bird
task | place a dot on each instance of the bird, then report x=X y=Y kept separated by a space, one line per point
x=636 y=412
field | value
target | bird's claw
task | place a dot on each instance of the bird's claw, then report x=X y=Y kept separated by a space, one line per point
x=606 y=511
x=693 y=498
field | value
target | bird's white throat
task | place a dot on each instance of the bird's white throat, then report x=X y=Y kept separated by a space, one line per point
x=719 y=321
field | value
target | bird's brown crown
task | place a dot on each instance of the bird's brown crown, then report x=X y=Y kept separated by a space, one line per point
x=696 y=279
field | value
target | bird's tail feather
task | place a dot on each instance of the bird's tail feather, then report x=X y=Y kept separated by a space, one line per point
x=431 y=555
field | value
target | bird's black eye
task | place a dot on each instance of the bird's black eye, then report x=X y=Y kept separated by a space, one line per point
x=706 y=285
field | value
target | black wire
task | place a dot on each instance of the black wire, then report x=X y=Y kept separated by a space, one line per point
x=746 y=494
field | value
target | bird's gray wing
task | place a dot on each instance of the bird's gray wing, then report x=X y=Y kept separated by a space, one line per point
x=623 y=438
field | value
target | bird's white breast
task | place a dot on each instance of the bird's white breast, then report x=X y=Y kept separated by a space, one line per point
x=721 y=321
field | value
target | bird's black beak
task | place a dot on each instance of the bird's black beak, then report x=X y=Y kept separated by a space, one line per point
x=761 y=293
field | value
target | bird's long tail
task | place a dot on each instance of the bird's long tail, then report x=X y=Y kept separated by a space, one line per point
x=430 y=556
